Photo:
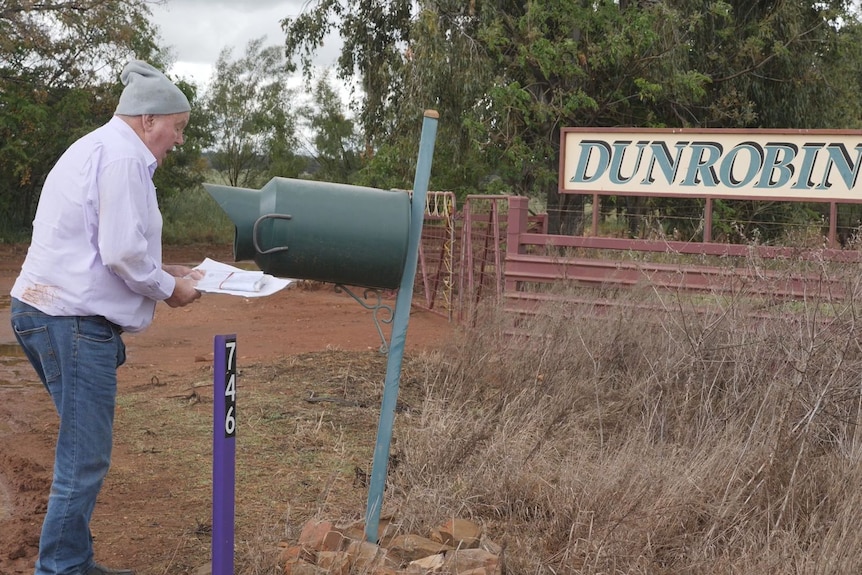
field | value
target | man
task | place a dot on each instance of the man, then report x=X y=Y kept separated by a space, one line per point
x=94 y=270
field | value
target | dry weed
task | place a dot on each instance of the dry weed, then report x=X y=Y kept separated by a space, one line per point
x=690 y=437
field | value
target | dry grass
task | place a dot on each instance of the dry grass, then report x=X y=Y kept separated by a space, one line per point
x=675 y=441
x=307 y=423
x=678 y=441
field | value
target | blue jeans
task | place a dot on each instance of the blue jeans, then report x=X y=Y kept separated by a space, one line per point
x=77 y=360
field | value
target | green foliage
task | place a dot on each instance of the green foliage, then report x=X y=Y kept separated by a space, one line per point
x=59 y=70
x=194 y=217
x=36 y=126
x=442 y=69
x=281 y=156
x=761 y=222
x=773 y=64
x=387 y=170
x=336 y=141
x=506 y=76
x=373 y=32
x=60 y=43
x=251 y=121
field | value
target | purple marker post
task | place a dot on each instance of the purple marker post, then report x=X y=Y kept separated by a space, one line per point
x=224 y=453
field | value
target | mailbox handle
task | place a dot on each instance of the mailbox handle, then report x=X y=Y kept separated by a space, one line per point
x=254 y=233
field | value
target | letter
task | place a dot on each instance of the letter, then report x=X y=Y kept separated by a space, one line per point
x=661 y=156
x=776 y=161
x=603 y=151
x=809 y=156
x=729 y=164
x=617 y=161
x=704 y=155
x=839 y=158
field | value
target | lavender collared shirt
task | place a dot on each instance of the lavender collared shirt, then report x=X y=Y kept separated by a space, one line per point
x=96 y=246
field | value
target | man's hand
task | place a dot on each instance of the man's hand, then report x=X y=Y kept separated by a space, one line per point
x=183 y=272
x=184 y=292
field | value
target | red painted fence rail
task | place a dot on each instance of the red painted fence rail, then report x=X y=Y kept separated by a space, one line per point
x=533 y=258
x=502 y=254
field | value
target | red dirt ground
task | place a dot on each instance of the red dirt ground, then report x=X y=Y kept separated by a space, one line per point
x=291 y=322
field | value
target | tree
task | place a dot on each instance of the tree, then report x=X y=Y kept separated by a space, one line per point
x=59 y=65
x=336 y=144
x=405 y=64
x=282 y=158
x=72 y=43
x=248 y=105
x=445 y=69
x=754 y=65
x=372 y=31
x=508 y=75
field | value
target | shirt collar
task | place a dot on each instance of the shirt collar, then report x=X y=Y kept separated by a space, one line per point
x=127 y=132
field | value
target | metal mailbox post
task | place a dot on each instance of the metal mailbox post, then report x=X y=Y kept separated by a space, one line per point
x=346 y=235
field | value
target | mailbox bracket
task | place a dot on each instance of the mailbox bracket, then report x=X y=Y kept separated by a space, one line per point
x=375 y=309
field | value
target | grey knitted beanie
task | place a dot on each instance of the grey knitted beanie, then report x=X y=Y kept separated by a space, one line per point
x=148 y=91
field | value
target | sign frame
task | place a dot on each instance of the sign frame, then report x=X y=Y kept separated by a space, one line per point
x=716 y=164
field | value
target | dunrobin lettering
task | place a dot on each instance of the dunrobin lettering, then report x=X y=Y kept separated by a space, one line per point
x=773 y=165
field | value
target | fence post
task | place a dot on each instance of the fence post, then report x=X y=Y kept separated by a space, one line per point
x=515 y=226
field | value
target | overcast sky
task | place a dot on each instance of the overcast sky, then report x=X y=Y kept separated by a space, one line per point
x=197 y=30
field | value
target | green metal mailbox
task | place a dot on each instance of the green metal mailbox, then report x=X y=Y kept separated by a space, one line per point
x=338 y=233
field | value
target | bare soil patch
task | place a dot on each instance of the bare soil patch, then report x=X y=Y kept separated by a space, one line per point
x=311 y=376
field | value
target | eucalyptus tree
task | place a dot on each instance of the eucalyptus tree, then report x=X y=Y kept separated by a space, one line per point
x=336 y=141
x=374 y=33
x=59 y=64
x=249 y=107
x=771 y=64
x=406 y=63
x=507 y=75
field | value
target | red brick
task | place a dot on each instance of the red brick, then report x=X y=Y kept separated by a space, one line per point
x=313 y=533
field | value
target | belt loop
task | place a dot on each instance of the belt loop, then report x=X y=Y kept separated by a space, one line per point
x=114 y=326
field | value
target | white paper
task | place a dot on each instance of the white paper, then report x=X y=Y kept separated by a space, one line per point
x=234 y=281
x=227 y=279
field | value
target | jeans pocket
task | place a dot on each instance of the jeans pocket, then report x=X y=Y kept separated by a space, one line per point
x=97 y=330
x=40 y=351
